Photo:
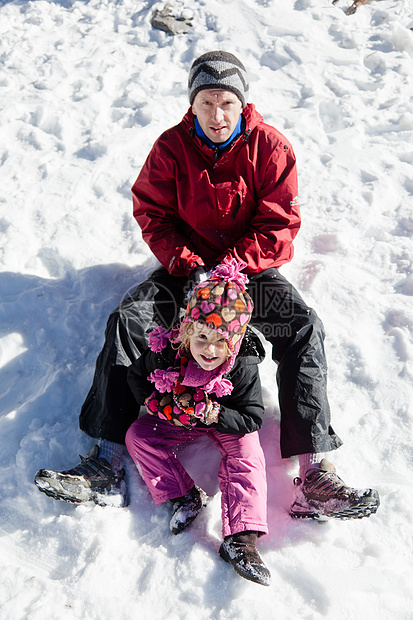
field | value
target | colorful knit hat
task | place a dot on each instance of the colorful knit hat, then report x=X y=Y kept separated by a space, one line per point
x=218 y=70
x=222 y=303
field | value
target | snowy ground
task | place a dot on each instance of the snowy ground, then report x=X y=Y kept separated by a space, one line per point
x=85 y=89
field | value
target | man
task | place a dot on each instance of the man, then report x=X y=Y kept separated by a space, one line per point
x=220 y=184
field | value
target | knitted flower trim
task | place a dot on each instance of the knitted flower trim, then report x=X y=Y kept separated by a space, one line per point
x=158 y=339
x=164 y=380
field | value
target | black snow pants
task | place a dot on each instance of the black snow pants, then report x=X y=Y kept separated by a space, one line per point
x=280 y=314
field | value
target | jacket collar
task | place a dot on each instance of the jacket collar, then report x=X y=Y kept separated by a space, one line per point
x=200 y=133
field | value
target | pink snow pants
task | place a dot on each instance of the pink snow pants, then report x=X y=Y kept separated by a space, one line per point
x=242 y=477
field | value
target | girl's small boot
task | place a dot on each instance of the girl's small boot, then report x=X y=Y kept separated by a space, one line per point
x=240 y=550
x=186 y=509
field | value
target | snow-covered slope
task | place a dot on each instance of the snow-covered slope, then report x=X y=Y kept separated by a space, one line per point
x=85 y=89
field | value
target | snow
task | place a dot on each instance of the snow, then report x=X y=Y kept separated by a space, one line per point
x=86 y=87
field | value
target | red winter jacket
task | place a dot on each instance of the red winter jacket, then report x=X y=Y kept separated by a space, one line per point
x=195 y=207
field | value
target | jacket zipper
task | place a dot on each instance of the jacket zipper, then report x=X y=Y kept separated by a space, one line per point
x=237 y=206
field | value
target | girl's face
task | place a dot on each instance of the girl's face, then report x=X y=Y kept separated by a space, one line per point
x=208 y=347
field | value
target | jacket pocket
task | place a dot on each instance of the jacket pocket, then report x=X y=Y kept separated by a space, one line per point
x=232 y=205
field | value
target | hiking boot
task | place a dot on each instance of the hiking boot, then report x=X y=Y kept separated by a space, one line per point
x=240 y=551
x=324 y=495
x=92 y=480
x=186 y=509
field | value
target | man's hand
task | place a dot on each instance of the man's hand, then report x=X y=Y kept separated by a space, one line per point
x=197 y=275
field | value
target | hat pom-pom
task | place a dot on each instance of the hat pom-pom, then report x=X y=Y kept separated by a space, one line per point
x=230 y=271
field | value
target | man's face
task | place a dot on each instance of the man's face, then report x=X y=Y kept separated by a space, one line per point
x=218 y=113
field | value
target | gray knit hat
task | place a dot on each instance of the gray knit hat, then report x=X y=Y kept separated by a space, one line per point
x=218 y=70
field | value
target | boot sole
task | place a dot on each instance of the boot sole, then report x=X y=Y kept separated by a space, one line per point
x=367 y=507
x=54 y=486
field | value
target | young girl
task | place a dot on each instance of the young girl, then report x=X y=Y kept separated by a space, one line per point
x=206 y=384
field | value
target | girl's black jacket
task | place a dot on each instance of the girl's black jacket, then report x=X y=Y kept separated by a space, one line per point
x=241 y=412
